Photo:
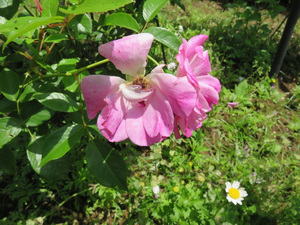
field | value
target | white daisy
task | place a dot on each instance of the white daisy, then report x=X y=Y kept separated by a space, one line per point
x=235 y=193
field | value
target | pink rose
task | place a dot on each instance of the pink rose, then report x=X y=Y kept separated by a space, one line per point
x=140 y=108
x=194 y=64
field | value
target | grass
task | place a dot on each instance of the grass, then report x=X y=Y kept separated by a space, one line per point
x=256 y=143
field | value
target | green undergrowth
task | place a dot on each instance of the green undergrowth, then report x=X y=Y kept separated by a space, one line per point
x=256 y=143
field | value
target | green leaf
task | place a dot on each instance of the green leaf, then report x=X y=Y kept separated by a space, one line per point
x=9 y=129
x=59 y=142
x=21 y=25
x=9 y=85
x=241 y=90
x=39 y=117
x=8 y=8
x=122 y=20
x=7 y=161
x=5 y=3
x=81 y=24
x=66 y=65
x=7 y=106
x=57 y=101
x=56 y=38
x=70 y=82
x=55 y=170
x=179 y=3
x=106 y=165
x=165 y=37
x=27 y=93
x=151 y=8
x=92 y=6
x=34 y=113
x=50 y=8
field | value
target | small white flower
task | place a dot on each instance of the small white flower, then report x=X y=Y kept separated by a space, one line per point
x=156 y=191
x=235 y=193
x=154 y=167
x=171 y=66
x=180 y=29
x=240 y=79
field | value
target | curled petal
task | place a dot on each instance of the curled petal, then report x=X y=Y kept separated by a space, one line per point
x=95 y=88
x=128 y=54
x=179 y=92
x=191 y=123
x=189 y=73
x=158 y=69
x=208 y=94
x=111 y=121
x=210 y=81
x=182 y=122
x=135 y=93
x=193 y=61
x=200 y=62
x=193 y=43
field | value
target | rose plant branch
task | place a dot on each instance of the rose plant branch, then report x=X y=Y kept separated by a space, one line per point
x=70 y=73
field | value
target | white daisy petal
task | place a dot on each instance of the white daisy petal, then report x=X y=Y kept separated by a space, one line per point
x=235 y=193
x=228 y=186
x=236 y=184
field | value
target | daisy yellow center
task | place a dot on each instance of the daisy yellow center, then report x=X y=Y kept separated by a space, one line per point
x=234 y=193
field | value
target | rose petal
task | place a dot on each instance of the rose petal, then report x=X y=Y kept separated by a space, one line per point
x=232 y=104
x=158 y=116
x=193 y=43
x=209 y=93
x=200 y=62
x=95 y=88
x=111 y=120
x=135 y=93
x=158 y=69
x=211 y=81
x=135 y=127
x=179 y=92
x=128 y=54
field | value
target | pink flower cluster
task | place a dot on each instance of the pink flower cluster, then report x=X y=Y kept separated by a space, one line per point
x=148 y=109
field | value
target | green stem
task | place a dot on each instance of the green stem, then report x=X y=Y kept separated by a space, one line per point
x=28 y=10
x=153 y=60
x=90 y=66
x=72 y=196
x=71 y=73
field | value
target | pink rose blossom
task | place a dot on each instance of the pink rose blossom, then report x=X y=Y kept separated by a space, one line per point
x=194 y=64
x=141 y=108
